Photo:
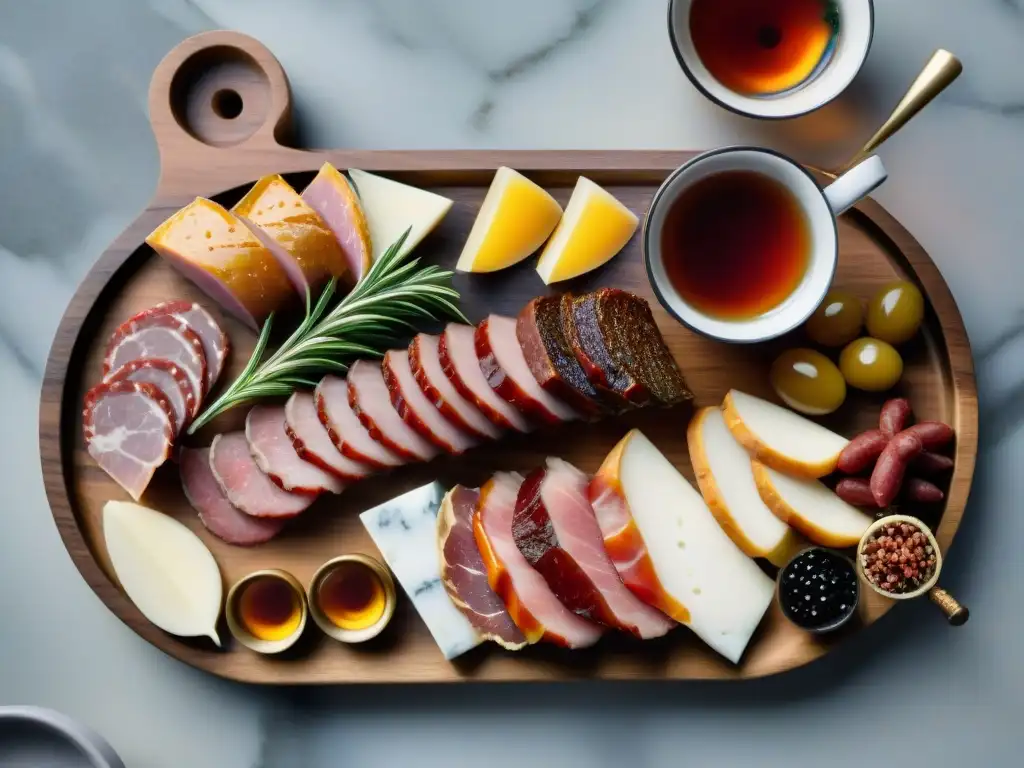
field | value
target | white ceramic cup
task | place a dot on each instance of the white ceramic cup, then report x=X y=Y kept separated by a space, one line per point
x=820 y=208
x=838 y=68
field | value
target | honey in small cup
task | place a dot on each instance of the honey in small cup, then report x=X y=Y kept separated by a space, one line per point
x=352 y=598
x=266 y=611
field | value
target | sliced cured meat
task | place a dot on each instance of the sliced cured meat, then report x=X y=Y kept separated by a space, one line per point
x=216 y=513
x=425 y=360
x=539 y=329
x=464 y=574
x=529 y=600
x=505 y=368
x=636 y=347
x=217 y=251
x=245 y=484
x=272 y=449
x=414 y=407
x=579 y=324
x=556 y=531
x=170 y=379
x=216 y=344
x=332 y=197
x=129 y=427
x=347 y=433
x=457 y=353
x=294 y=233
x=161 y=337
x=312 y=442
x=371 y=402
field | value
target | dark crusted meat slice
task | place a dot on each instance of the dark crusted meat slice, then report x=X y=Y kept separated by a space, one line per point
x=579 y=314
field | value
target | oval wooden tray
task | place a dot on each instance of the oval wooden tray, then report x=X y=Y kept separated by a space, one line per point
x=206 y=151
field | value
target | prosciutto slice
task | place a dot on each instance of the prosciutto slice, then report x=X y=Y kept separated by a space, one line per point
x=216 y=513
x=312 y=442
x=216 y=344
x=425 y=360
x=245 y=484
x=163 y=337
x=555 y=529
x=370 y=400
x=272 y=449
x=129 y=427
x=347 y=433
x=464 y=574
x=530 y=602
x=170 y=379
x=457 y=351
x=414 y=407
x=504 y=366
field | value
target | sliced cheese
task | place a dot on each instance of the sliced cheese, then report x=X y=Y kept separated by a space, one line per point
x=392 y=207
x=726 y=481
x=594 y=227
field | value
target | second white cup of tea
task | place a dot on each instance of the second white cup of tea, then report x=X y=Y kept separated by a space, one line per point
x=819 y=208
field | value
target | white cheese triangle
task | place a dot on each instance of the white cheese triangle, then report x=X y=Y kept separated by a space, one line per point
x=392 y=207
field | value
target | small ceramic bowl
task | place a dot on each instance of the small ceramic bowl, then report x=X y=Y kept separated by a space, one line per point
x=38 y=736
x=353 y=635
x=896 y=520
x=243 y=635
x=824 y=628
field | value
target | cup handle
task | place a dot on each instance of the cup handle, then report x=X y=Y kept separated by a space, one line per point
x=856 y=183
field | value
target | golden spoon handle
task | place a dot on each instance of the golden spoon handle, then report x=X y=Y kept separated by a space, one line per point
x=956 y=613
x=941 y=70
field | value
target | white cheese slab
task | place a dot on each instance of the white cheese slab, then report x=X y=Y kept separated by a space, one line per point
x=392 y=207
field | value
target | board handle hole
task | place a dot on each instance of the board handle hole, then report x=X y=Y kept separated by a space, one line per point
x=227 y=103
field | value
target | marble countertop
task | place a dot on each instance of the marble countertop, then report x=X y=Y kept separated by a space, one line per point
x=74 y=140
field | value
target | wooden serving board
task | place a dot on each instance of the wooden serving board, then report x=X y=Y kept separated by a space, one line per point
x=205 y=151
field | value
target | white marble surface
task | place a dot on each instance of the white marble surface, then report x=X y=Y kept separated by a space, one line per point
x=77 y=163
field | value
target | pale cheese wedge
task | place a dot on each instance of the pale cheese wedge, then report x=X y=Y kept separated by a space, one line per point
x=515 y=219
x=392 y=207
x=781 y=438
x=810 y=507
x=594 y=227
x=696 y=564
x=726 y=482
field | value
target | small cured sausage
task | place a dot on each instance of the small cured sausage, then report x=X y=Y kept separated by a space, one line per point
x=216 y=345
x=887 y=477
x=162 y=337
x=425 y=360
x=464 y=574
x=272 y=449
x=129 y=428
x=932 y=434
x=371 y=402
x=245 y=484
x=894 y=416
x=504 y=366
x=861 y=452
x=216 y=513
x=312 y=442
x=916 y=489
x=931 y=464
x=170 y=379
x=347 y=433
x=856 y=491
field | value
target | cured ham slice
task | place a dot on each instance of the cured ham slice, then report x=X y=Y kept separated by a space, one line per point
x=129 y=427
x=170 y=379
x=555 y=530
x=245 y=484
x=457 y=352
x=464 y=574
x=161 y=337
x=294 y=233
x=425 y=360
x=414 y=407
x=216 y=344
x=332 y=197
x=347 y=433
x=529 y=601
x=272 y=449
x=216 y=513
x=539 y=328
x=371 y=402
x=505 y=368
x=312 y=442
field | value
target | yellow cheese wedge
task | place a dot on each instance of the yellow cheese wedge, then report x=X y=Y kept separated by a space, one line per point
x=515 y=219
x=593 y=229
x=392 y=207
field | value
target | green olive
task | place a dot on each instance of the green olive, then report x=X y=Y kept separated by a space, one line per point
x=871 y=365
x=837 y=320
x=895 y=313
x=808 y=382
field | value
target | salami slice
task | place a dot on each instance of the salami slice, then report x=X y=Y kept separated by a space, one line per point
x=312 y=442
x=164 y=337
x=129 y=427
x=245 y=484
x=270 y=445
x=170 y=379
x=216 y=344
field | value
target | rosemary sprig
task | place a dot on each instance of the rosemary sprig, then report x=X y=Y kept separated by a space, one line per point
x=387 y=301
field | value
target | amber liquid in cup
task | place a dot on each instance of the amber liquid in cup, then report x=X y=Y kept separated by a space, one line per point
x=269 y=608
x=352 y=596
x=735 y=244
